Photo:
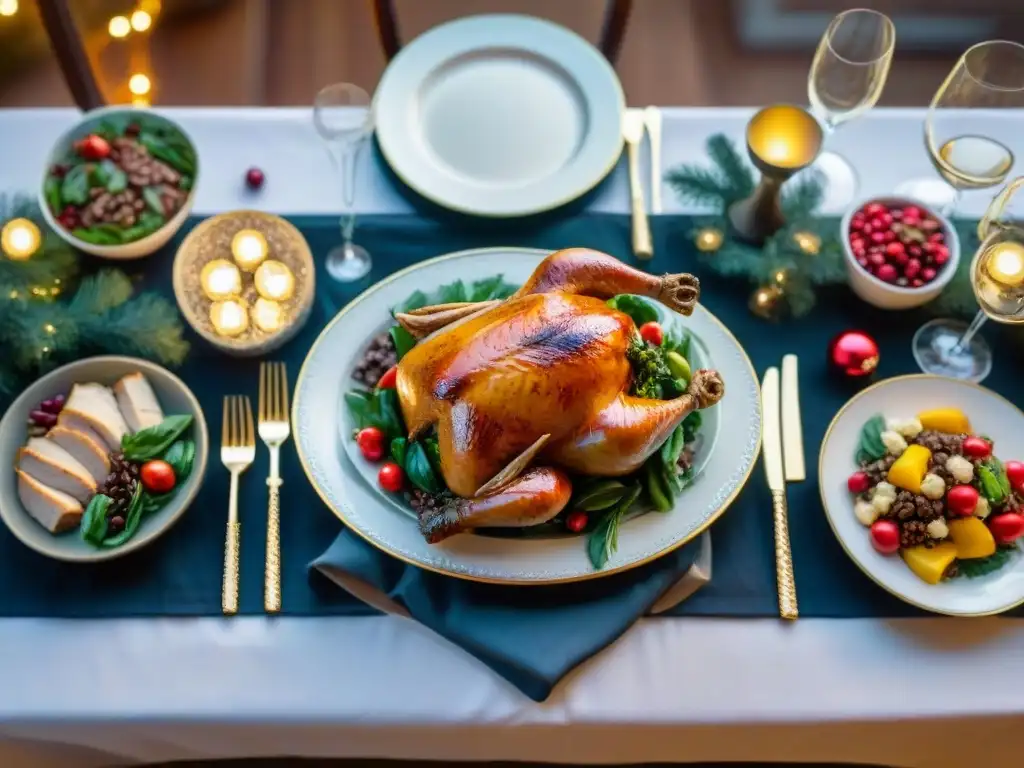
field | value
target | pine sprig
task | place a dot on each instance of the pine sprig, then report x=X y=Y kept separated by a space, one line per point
x=738 y=176
x=982 y=566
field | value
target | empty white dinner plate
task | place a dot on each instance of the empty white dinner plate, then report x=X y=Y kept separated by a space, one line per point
x=903 y=397
x=500 y=115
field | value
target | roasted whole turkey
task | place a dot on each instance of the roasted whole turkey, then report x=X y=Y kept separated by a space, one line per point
x=527 y=391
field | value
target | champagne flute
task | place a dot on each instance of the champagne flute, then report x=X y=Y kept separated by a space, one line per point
x=970 y=150
x=343 y=119
x=953 y=348
x=846 y=79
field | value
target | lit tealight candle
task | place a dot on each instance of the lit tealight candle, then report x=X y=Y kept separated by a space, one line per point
x=267 y=315
x=221 y=280
x=274 y=281
x=249 y=248
x=229 y=317
x=1005 y=264
x=20 y=239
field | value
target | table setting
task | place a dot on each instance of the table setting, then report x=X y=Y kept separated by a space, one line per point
x=512 y=395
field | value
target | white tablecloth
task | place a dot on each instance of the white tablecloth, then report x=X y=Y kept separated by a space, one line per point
x=926 y=692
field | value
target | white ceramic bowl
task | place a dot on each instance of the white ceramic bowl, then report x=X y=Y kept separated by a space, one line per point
x=137 y=248
x=886 y=295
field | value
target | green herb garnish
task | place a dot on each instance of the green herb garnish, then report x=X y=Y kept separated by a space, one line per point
x=150 y=443
x=870 y=446
x=982 y=566
x=94 y=520
x=604 y=539
x=419 y=469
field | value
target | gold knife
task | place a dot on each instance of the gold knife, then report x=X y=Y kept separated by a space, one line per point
x=652 y=119
x=792 y=428
x=633 y=133
x=772 y=450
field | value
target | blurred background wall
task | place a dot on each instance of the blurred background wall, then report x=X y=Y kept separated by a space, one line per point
x=280 y=52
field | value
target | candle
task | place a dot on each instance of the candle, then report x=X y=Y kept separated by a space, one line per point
x=20 y=239
x=267 y=315
x=784 y=137
x=1004 y=264
x=274 y=281
x=249 y=248
x=229 y=317
x=221 y=280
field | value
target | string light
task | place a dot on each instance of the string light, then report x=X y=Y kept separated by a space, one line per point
x=119 y=27
x=8 y=7
x=141 y=21
x=139 y=84
x=50 y=328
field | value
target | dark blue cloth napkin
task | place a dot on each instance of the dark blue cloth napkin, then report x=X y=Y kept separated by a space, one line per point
x=531 y=636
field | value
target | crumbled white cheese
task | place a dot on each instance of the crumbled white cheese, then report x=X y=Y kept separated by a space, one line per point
x=865 y=512
x=933 y=486
x=983 y=508
x=893 y=442
x=960 y=468
x=882 y=504
x=938 y=529
x=885 y=489
x=908 y=428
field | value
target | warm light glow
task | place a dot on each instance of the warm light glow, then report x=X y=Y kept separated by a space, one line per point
x=784 y=136
x=139 y=84
x=709 y=240
x=119 y=27
x=50 y=328
x=141 y=21
x=249 y=248
x=808 y=242
x=20 y=239
x=8 y=7
x=229 y=317
x=221 y=280
x=1005 y=264
x=267 y=315
x=140 y=101
x=274 y=281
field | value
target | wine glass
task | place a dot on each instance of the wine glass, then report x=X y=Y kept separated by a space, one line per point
x=953 y=348
x=969 y=150
x=344 y=120
x=846 y=79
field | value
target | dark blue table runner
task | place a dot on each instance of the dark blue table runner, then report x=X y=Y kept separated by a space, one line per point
x=181 y=573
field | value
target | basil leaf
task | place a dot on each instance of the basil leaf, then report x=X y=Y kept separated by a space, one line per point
x=149 y=443
x=74 y=189
x=434 y=454
x=100 y=234
x=691 y=426
x=116 y=179
x=153 y=199
x=360 y=407
x=398 y=450
x=639 y=309
x=402 y=339
x=180 y=456
x=131 y=521
x=52 y=191
x=94 y=520
x=186 y=183
x=1000 y=472
x=416 y=300
x=176 y=154
x=654 y=483
x=974 y=567
x=452 y=293
x=418 y=469
x=598 y=495
x=604 y=539
x=388 y=413
x=991 y=488
x=870 y=446
x=152 y=503
x=673 y=447
x=148 y=223
x=113 y=127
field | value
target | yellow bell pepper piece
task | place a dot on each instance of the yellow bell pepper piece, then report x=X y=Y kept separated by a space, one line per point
x=930 y=564
x=909 y=469
x=951 y=420
x=972 y=538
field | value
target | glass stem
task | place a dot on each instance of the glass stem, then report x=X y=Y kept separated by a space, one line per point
x=970 y=333
x=349 y=161
x=950 y=208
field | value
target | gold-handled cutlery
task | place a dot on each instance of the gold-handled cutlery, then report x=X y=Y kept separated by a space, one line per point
x=274 y=430
x=771 y=408
x=633 y=134
x=237 y=452
x=792 y=427
x=652 y=119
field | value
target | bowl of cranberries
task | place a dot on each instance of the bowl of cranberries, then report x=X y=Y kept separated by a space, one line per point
x=120 y=183
x=899 y=253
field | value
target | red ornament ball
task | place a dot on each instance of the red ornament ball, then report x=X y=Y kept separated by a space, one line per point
x=853 y=354
x=254 y=178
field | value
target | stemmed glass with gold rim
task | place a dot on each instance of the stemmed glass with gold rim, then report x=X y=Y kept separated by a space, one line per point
x=969 y=149
x=952 y=348
x=846 y=79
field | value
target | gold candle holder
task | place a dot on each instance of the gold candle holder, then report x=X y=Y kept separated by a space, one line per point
x=781 y=140
x=220 y=280
x=249 y=248
x=20 y=239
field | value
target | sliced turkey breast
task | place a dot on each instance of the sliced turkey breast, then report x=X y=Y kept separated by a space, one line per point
x=98 y=401
x=80 y=422
x=138 y=402
x=51 y=465
x=55 y=511
x=90 y=453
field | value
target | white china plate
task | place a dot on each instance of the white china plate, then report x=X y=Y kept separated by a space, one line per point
x=347 y=483
x=902 y=397
x=500 y=115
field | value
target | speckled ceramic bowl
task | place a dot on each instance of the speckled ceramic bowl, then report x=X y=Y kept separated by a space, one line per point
x=174 y=397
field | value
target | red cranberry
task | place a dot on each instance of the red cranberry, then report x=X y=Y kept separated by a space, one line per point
x=889 y=235
x=895 y=249
x=877 y=236
x=254 y=178
x=866 y=229
x=937 y=237
x=928 y=274
x=912 y=212
x=876 y=259
x=911 y=268
x=873 y=209
x=917 y=282
x=863 y=261
x=896 y=213
x=940 y=258
x=887 y=272
x=887 y=219
x=915 y=251
x=877 y=223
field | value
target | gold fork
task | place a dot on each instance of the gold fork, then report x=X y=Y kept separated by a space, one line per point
x=274 y=430
x=237 y=452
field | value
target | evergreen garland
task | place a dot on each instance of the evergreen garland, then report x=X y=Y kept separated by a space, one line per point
x=38 y=331
x=782 y=261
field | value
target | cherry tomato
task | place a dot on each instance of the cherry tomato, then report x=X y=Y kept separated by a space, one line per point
x=387 y=381
x=391 y=478
x=651 y=333
x=1007 y=527
x=371 y=443
x=858 y=482
x=576 y=521
x=885 y=536
x=962 y=500
x=93 y=147
x=157 y=476
x=1015 y=474
x=977 y=447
